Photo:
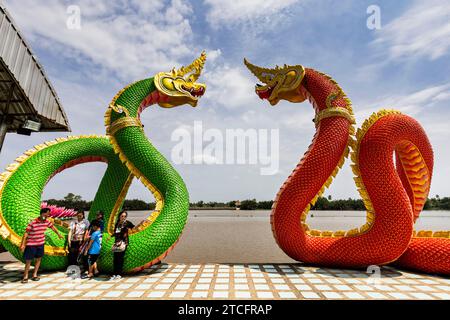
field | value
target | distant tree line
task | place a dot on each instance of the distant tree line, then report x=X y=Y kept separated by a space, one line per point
x=327 y=203
x=437 y=203
x=213 y=204
x=76 y=202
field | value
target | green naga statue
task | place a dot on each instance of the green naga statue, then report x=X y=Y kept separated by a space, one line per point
x=128 y=154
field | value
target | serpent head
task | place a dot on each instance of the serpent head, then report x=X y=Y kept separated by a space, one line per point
x=180 y=85
x=279 y=83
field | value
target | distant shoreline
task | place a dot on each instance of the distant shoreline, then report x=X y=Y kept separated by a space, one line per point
x=313 y=210
x=73 y=201
x=217 y=208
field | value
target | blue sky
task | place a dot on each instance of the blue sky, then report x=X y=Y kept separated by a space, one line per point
x=404 y=65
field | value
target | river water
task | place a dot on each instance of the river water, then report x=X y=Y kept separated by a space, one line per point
x=329 y=220
x=231 y=236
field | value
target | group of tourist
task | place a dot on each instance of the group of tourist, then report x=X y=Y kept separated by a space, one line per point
x=84 y=243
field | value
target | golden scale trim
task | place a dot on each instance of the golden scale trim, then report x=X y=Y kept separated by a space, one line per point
x=355 y=146
x=347 y=113
x=128 y=121
x=112 y=129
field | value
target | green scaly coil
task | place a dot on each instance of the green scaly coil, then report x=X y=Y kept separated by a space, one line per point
x=21 y=188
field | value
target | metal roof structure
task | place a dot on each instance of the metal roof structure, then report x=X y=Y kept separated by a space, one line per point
x=25 y=91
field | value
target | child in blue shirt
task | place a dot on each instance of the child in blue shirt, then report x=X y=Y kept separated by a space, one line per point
x=93 y=248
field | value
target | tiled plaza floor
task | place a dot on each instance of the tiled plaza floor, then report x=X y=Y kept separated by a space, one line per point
x=234 y=281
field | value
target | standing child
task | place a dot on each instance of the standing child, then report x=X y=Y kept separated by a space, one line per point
x=100 y=218
x=93 y=248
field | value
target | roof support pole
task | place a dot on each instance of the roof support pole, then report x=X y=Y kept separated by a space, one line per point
x=3 y=130
x=5 y=120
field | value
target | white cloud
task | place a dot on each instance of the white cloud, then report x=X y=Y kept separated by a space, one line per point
x=213 y=55
x=229 y=87
x=205 y=159
x=223 y=12
x=412 y=103
x=146 y=7
x=422 y=31
x=145 y=37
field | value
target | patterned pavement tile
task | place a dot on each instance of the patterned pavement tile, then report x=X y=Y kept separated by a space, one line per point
x=234 y=281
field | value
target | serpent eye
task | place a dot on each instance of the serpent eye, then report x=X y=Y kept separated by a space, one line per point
x=290 y=77
x=168 y=84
